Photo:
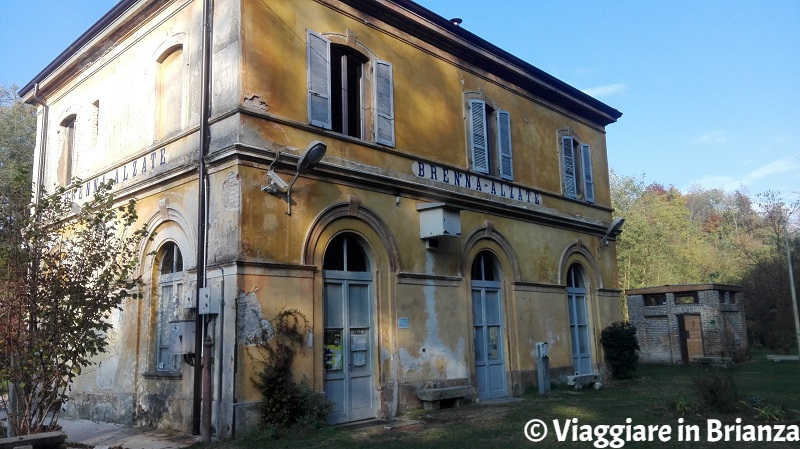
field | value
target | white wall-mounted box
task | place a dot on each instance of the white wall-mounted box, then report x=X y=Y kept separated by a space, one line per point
x=181 y=337
x=438 y=220
x=210 y=301
x=188 y=298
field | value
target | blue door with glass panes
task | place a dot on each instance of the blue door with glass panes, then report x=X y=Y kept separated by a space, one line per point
x=487 y=322
x=349 y=380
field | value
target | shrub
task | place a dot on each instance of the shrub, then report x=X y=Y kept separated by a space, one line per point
x=286 y=403
x=717 y=391
x=621 y=346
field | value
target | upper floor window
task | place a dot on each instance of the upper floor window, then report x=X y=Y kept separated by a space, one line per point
x=577 y=169
x=169 y=93
x=490 y=139
x=338 y=94
x=95 y=122
x=67 y=140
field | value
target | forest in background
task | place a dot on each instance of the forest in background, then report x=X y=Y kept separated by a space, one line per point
x=669 y=237
x=708 y=236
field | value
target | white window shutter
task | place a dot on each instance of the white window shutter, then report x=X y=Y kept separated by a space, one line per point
x=319 y=79
x=588 y=180
x=477 y=136
x=568 y=155
x=504 y=143
x=384 y=103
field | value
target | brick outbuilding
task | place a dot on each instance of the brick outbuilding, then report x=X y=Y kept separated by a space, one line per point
x=679 y=323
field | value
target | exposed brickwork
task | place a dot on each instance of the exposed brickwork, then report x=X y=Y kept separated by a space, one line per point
x=721 y=311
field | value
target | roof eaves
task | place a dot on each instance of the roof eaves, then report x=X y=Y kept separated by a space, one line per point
x=538 y=81
x=83 y=39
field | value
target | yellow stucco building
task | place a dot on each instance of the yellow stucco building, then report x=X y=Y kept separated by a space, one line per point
x=460 y=213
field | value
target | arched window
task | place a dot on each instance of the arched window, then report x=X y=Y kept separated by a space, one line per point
x=483 y=268
x=344 y=253
x=169 y=92
x=578 y=308
x=170 y=289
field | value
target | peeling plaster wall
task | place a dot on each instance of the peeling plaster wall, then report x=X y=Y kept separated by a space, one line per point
x=263 y=260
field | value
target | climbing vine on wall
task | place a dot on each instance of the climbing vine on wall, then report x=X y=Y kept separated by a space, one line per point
x=286 y=403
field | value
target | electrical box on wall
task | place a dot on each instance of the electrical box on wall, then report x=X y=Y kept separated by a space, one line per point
x=210 y=301
x=188 y=298
x=181 y=337
x=438 y=220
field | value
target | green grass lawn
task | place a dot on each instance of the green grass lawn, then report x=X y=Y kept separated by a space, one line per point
x=660 y=395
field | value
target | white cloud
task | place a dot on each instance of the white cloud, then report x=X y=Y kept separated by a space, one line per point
x=606 y=91
x=789 y=164
x=784 y=169
x=713 y=138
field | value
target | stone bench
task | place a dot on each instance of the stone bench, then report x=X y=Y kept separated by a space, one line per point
x=723 y=361
x=431 y=397
x=579 y=381
x=45 y=440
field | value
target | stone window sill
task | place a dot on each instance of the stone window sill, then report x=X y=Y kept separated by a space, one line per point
x=162 y=375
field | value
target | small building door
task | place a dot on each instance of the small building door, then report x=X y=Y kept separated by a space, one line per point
x=691 y=336
x=349 y=380
x=487 y=321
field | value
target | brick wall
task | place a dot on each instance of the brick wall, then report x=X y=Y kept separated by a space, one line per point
x=722 y=326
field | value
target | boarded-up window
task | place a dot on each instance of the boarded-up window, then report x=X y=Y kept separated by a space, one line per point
x=169 y=95
x=67 y=140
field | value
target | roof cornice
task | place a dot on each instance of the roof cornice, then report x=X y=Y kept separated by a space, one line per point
x=101 y=24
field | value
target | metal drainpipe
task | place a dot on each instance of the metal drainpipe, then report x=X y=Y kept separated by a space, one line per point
x=43 y=144
x=205 y=85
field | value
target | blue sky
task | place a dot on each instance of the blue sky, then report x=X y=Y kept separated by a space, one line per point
x=710 y=90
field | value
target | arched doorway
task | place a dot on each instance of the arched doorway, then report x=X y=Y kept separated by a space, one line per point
x=487 y=321
x=578 y=308
x=349 y=380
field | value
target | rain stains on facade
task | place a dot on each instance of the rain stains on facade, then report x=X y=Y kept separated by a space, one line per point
x=456 y=219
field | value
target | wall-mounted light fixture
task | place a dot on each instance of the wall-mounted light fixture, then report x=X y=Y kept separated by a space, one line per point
x=310 y=157
x=614 y=229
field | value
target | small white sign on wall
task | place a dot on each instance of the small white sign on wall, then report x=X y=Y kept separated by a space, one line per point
x=402 y=323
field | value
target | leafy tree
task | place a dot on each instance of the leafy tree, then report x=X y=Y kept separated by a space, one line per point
x=712 y=236
x=770 y=319
x=17 y=140
x=68 y=268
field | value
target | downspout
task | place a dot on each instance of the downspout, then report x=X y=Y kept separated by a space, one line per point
x=36 y=98
x=202 y=176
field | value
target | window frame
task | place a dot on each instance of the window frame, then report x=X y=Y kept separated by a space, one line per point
x=654 y=299
x=694 y=295
x=577 y=171
x=175 y=281
x=489 y=138
x=376 y=88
